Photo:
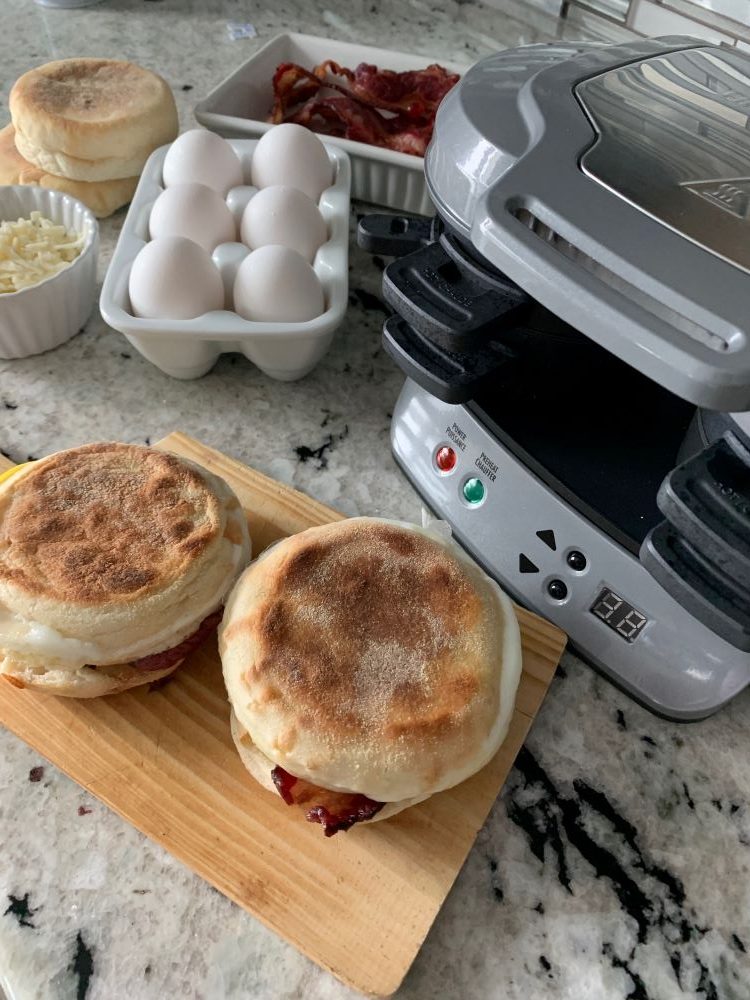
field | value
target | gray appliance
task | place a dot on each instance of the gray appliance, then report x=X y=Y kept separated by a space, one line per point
x=575 y=328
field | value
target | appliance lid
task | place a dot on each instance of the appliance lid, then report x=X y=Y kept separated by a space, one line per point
x=613 y=184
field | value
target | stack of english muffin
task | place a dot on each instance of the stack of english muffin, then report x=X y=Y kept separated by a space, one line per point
x=86 y=127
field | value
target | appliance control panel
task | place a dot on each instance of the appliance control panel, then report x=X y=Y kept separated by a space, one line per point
x=550 y=558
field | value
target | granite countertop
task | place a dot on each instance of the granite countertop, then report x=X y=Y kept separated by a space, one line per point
x=616 y=863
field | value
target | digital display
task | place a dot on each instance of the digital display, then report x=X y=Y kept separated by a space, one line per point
x=621 y=617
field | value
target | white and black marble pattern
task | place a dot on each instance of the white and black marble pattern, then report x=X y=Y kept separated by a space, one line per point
x=616 y=863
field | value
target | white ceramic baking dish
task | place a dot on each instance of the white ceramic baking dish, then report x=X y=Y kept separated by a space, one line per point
x=43 y=316
x=240 y=105
x=189 y=348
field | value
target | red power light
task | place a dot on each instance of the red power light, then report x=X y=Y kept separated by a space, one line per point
x=445 y=459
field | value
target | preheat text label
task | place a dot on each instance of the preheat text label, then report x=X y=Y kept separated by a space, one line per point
x=486 y=466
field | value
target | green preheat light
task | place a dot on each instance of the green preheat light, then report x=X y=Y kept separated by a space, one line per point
x=474 y=491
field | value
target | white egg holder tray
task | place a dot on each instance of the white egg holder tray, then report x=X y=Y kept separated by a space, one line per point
x=189 y=348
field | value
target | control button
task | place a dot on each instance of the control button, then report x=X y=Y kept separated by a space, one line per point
x=525 y=565
x=557 y=590
x=548 y=537
x=445 y=459
x=474 y=491
x=576 y=560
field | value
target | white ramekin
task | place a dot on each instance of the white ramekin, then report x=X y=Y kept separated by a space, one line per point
x=44 y=316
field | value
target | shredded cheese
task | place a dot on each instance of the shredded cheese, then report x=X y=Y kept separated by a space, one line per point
x=34 y=249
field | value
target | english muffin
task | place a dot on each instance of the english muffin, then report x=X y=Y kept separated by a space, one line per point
x=102 y=197
x=91 y=119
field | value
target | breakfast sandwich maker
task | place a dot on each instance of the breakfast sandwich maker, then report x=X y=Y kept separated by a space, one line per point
x=575 y=328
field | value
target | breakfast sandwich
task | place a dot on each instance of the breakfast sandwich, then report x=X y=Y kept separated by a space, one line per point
x=115 y=562
x=369 y=664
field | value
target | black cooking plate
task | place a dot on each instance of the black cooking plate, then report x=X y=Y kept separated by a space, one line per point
x=461 y=327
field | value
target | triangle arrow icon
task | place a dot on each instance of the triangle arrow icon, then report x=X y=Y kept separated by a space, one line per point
x=525 y=565
x=548 y=537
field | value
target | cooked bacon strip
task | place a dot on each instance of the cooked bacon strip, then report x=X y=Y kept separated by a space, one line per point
x=168 y=657
x=347 y=117
x=291 y=85
x=335 y=811
x=379 y=107
x=414 y=92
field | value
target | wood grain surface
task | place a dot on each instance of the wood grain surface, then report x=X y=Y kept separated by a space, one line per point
x=358 y=904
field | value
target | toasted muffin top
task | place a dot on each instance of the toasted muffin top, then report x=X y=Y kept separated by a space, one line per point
x=367 y=656
x=104 y=523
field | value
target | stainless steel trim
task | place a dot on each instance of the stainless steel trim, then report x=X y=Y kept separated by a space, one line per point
x=674 y=141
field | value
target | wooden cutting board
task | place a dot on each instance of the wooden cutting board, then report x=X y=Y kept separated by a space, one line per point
x=358 y=904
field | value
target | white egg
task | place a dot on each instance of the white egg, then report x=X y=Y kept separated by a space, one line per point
x=293 y=155
x=275 y=284
x=173 y=278
x=195 y=211
x=283 y=215
x=202 y=157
